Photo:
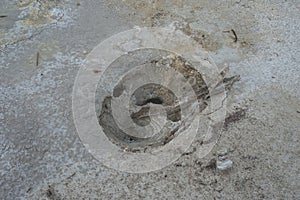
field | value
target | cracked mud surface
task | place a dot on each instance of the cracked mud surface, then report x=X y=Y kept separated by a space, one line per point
x=42 y=156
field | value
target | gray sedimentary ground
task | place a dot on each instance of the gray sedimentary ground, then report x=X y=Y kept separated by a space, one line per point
x=44 y=43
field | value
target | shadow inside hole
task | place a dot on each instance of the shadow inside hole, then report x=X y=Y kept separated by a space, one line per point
x=154 y=94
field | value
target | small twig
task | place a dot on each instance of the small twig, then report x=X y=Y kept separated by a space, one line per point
x=234 y=33
x=37 y=58
x=71 y=175
x=235 y=36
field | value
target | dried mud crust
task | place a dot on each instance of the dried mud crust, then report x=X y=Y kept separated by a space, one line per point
x=39 y=140
x=208 y=22
x=157 y=94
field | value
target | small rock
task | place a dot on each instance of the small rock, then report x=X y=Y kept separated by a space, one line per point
x=222 y=158
x=222 y=152
x=224 y=165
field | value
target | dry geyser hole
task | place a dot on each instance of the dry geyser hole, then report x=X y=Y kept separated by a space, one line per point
x=145 y=96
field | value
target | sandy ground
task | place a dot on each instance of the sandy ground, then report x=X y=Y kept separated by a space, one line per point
x=42 y=156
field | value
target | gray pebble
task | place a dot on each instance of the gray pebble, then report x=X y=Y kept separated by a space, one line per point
x=224 y=165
